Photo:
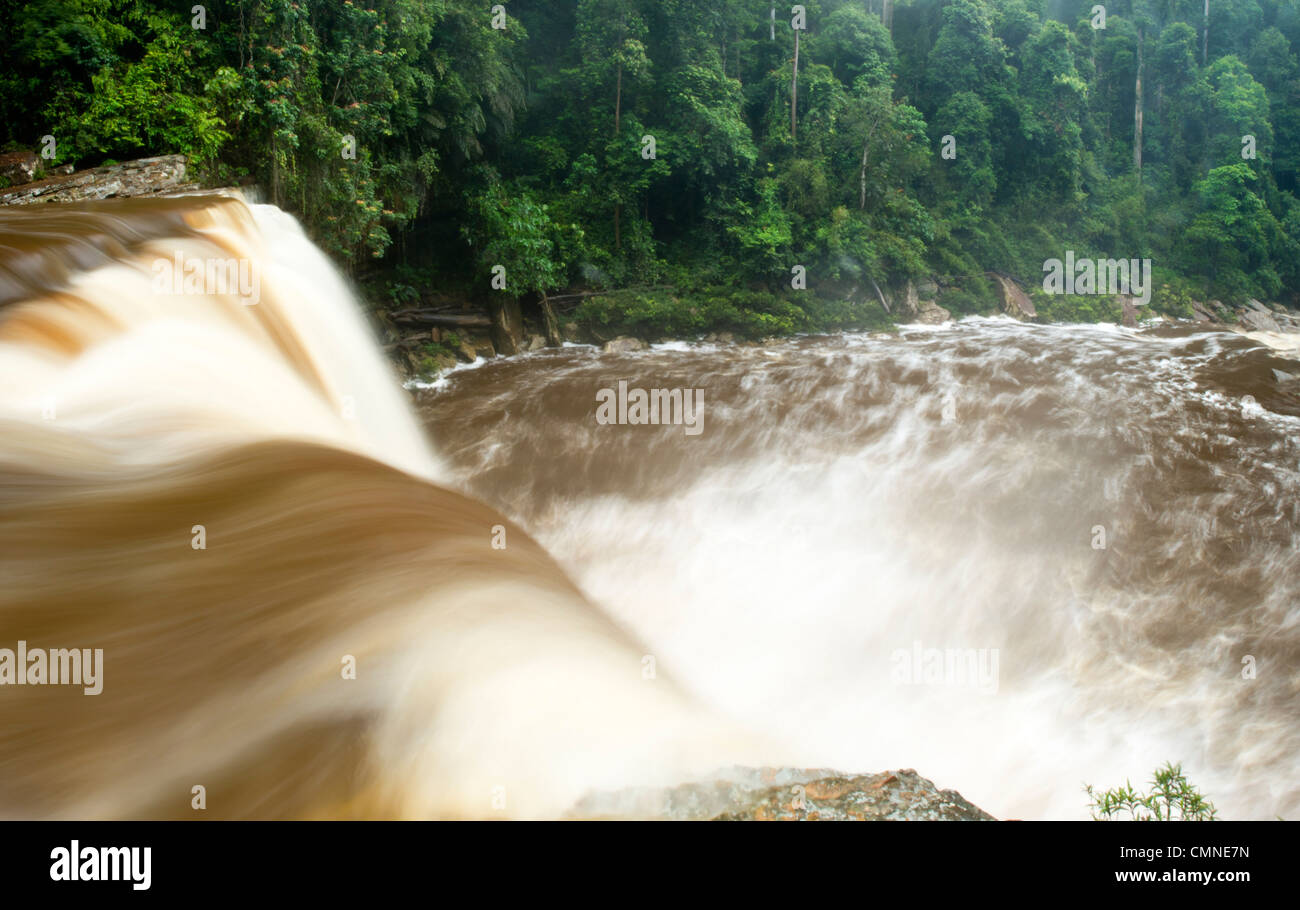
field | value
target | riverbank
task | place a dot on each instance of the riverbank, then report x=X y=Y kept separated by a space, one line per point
x=424 y=359
x=427 y=334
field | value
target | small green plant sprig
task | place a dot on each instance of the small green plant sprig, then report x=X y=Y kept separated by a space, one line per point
x=1171 y=798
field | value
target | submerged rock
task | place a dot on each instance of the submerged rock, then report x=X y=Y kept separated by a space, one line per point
x=789 y=794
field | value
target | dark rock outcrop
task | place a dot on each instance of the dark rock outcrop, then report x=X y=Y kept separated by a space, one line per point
x=1258 y=318
x=1013 y=300
x=19 y=167
x=1202 y=313
x=507 y=325
x=932 y=314
x=789 y=794
x=1258 y=322
x=1130 y=318
x=912 y=301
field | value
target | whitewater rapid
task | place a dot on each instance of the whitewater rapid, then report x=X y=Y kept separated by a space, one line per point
x=853 y=496
x=234 y=500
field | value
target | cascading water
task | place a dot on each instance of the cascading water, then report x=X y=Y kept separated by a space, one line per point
x=221 y=487
x=1108 y=518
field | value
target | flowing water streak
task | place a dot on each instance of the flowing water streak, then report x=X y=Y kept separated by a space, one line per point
x=486 y=685
x=852 y=496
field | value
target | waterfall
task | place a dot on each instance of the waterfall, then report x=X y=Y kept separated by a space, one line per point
x=209 y=472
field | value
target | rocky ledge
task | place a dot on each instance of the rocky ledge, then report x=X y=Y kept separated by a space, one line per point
x=143 y=177
x=789 y=794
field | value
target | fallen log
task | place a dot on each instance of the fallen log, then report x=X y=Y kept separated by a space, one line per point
x=431 y=317
x=883 y=303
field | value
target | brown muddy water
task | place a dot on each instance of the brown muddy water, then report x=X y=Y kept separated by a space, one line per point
x=1017 y=558
x=1107 y=519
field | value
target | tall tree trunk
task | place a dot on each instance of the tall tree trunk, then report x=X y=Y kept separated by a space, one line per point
x=618 y=109
x=887 y=15
x=1137 y=113
x=774 y=21
x=1205 y=40
x=794 y=92
x=618 y=100
x=862 y=173
x=862 y=178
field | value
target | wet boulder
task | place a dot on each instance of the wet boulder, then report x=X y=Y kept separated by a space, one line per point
x=623 y=344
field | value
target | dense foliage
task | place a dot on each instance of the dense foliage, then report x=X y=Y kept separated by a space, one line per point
x=650 y=143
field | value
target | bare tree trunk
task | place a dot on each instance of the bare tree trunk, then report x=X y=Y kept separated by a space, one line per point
x=618 y=109
x=887 y=15
x=1137 y=113
x=794 y=92
x=883 y=302
x=862 y=177
x=1205 y=41
x=862 y=173
x=618 y=100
